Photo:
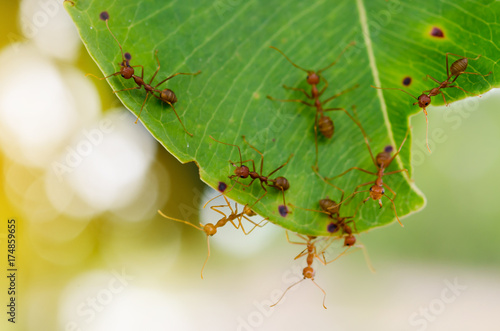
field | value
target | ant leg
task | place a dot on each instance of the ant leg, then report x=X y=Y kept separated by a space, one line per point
x=157 y=69
x=179 y=73
x=255 y=225
x=142 y=71
x=145 y=99
x=173 y=108
x=295 y=242
x=281 y=166
x=403 y=142
x=290 y=100
x=289 y=287
x=178 y=220
x=434 y=79
x=327 y=182
x=394 y=207
x=298 y=89
x=263 y=195
x=324 y=293
x=350 y=169
x=340 y=93
x=316 y=167
x=458 y=87
x=355 y=122
x=324 y=87
x=261 y=155
x=206 y=260
x=101 y=78
x=444 y=99
x=476 y=73
x=128 y=89
x=396 y=171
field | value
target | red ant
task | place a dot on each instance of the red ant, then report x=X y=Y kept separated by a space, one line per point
x=457 y=68
x=210 y=229
x=308 y=271
x=127 y=72
x=242 y=171
x=332 y=209
x=382 y=161
x=325 y=123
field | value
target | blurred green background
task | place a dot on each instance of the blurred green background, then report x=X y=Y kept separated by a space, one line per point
x=93 y=254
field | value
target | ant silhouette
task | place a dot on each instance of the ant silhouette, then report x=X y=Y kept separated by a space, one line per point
x=242 y=171
x=325 y=123
x=210 y=229
x=308 y=272
x=127 y=72
x=456 y=69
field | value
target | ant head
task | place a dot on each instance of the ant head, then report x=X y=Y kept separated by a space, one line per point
x=168 y=95
x=376 y=192
x=210 y=229
x=308 y=272
x=349 y=240
x=282 y=183
x=424 y=100
x=242 y=171
x=126 y=71
x=329 y=206
x=312 y=78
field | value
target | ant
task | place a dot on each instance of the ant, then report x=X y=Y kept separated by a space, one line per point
x=382 y=161
x=127 y=72
x=308 y=272
x=325 y=123
x=457 y=68
x=210 y=229
x=242 y=171
x=332 y=209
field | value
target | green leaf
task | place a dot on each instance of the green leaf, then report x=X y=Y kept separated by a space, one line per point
x=229 y=42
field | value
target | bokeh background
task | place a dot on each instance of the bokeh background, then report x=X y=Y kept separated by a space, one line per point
x=84 y=183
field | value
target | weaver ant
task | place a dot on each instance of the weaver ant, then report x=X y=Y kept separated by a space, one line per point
x=332 y=209
x=456 y=69
x=210 y=229
x=382 y=161
x=308 y=272
x=325 y=123
x=242 y=171
x=127 y=71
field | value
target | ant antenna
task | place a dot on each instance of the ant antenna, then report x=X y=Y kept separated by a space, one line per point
x=352 y=43
x=105 y=17
x=395 y=88
x=286 y=57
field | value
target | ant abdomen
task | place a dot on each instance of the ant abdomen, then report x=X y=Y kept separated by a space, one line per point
x=383 y=158
x=459 y=66
x=168 y=95
x=329 y=205
x=326 y=126
x=282 y=183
